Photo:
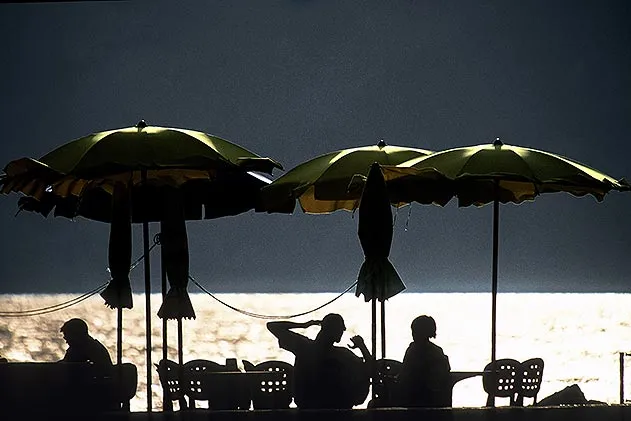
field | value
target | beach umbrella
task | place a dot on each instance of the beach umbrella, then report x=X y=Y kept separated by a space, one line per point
x=377 y=278
x=335 y=181
x=498 y=173
x=81 y=178
x=325 y=184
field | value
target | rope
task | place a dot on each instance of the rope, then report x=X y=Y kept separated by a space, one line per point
x=55 y=307
x=265 y=316
x=76 y=300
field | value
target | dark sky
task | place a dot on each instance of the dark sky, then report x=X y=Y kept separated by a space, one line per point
x=292 y=79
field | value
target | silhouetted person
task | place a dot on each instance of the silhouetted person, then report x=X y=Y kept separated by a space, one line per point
x=424 y=380
x=82 y=347
x=325 y=376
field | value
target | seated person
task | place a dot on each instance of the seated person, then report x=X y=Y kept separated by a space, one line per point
x=424 y=380
x=84 y=348
x=325 y=375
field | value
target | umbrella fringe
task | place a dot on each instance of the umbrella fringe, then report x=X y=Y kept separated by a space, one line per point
x=177 y=305
x=378 y=279
x=117 y=294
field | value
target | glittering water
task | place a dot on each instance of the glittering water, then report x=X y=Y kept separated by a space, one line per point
x=578 y=335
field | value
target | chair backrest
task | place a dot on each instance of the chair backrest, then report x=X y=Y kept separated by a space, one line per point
x=221 y=386
x=530 y=382
x=273 y=390
x=169 y=374
x=502 y=379
x=385 y=383
x=125 y=383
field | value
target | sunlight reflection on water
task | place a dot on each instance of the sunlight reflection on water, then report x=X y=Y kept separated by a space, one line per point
x=578 y=335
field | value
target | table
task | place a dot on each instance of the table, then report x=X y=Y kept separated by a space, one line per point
x=48 y=386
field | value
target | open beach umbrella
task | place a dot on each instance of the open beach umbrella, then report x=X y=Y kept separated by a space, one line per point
x=85 y=177
x=334 y=181
x=500 y=173
x=324 y=184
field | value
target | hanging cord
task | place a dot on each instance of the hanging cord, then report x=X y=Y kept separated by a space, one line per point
x=55 y=307
x=265 y=316
x=76 y=300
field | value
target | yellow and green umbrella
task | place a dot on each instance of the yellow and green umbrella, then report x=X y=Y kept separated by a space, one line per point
x=498 y=173
x=326 y=183
x=335 y=181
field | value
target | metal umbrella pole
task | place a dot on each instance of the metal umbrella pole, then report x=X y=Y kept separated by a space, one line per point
x=145 y=235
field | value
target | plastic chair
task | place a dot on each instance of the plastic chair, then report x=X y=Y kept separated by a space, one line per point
x=169 y=374
x=530 y=382
x=124 y=383
x=223 y=390
x=274 y=391
x=385 y=383
x=502 y=379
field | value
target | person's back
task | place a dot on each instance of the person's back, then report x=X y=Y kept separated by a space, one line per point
x=424 y=380
x=325 y=376
x=84 y=348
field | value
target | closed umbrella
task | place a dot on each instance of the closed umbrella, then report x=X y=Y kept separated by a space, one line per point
x=498 y=173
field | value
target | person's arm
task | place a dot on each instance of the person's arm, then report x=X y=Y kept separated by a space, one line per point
x=288 y=339
x=358 y=342
x=279 y=328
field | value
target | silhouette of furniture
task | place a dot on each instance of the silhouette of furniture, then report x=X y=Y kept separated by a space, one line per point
x=170 y=374
x=37 y=387
x=271 y=384
x=531 y=376
x=222 y=386
x=508 y=378
x=120 y=386
x=386 y=382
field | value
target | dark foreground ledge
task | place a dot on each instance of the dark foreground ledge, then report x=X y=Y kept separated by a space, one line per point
x=569 y=413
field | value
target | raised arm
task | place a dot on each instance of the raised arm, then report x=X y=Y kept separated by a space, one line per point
x=279 y=328
x=358 y=342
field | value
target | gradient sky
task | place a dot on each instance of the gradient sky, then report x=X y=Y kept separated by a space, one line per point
x=293 y=79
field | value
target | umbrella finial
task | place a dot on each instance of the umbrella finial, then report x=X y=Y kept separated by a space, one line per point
x=381 y=143
x=141 y=125
x=498 y=142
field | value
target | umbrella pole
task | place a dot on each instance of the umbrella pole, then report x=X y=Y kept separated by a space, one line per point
x=496 y=212
x=165 y=353
x=180 y=345
x=374 y=344
x=119 y=336
x=383 y=329
x=145 y=235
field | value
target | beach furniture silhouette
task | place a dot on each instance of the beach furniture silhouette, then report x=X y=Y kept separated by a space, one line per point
x=385 y=382
x=531 y=375
x=501 y=379
x=273 y=390
x=222 y=386
x=508 y=378
x=169 y=373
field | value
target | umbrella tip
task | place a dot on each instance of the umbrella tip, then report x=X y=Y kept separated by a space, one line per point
x=498 y=142
x=381 y=143
x=141 y=125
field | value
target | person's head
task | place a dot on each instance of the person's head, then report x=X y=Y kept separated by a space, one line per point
x=332 y=328
x=423 y=328
x=74 y=330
